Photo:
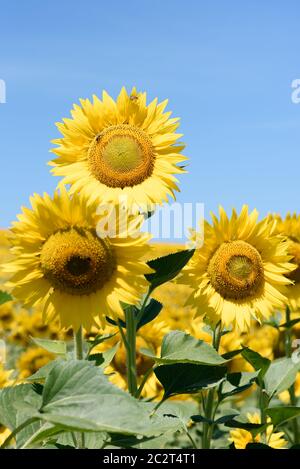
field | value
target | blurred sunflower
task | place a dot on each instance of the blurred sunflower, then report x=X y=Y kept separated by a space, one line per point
x=239 y=273
x=61 y=263
x=30 y=361
x=118 y=148
x=7 y=315
x=5 y=377
x=241 y=438
x=290 y=227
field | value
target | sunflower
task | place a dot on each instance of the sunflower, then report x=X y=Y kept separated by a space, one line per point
x=239 y=271
x=30 y=361
x=62 y=263
x=290 y=227
x=241 y=438
x=124 y=148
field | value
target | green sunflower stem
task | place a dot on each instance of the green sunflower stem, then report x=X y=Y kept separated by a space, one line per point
x=288 y=352
x=78 y=352
x=78 y=344
x=209 y=402
x=131 y=352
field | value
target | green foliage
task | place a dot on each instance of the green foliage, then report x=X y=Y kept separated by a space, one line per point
x=188 y=378
x=167 y=267
x=280 y=376
x=58 y=347
x=280 y=415
x=179 y=347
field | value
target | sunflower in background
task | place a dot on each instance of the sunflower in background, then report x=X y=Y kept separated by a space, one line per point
x=124 y=147
x=62 y=264
x=30 y=361
x=239 y=273
x=241 y=438
x=290 y=227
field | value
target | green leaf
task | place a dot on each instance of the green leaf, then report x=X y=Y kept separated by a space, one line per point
x=179 y=347
x=229 y=355
x=17 y=405
x=253 y=428
x=92 y=440
x=280 y=376
x=4 y=297
x=236 y=383
x=281 y=415
x=167 y=267
x=187 y=378
x=78 y=396
x=17 y=399
x=257 y=361
x=150 y=312
x=58 y=347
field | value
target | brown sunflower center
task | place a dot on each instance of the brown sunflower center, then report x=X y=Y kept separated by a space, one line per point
x=236 y=271
x=294 y=250
x=76 y=261
x=122 y=155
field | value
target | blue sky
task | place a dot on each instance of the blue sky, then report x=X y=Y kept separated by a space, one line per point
x=226 y=67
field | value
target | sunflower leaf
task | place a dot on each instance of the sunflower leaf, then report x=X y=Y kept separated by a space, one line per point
x=179 y=347
x=58 y=347
x=280 y=415
x=167 y=267
x=280 y=376
x=188 y=378
x=258 y=362
x=78 y=396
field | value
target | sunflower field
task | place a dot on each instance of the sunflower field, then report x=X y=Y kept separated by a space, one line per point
x=109 y=340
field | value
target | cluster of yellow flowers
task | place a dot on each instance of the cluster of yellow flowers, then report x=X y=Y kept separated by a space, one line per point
x=66 y=270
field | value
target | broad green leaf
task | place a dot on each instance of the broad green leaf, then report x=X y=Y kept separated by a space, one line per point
x=179 y=347
x=78 y=396
x=18 y=404
x=58 y=347
x=187 y=378
x=92 y=440
x=167 y=267
x=281 y=415
x=236 y=383
x=4 y=297
x=280 y=376
x=257 y=361
x=16 y=399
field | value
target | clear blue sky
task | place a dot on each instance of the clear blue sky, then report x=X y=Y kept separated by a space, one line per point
x=226 y=67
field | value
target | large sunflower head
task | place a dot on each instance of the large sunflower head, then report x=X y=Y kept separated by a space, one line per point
x=240 y=270
x=61 y=262
x=124 y=147
x=290 y=227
